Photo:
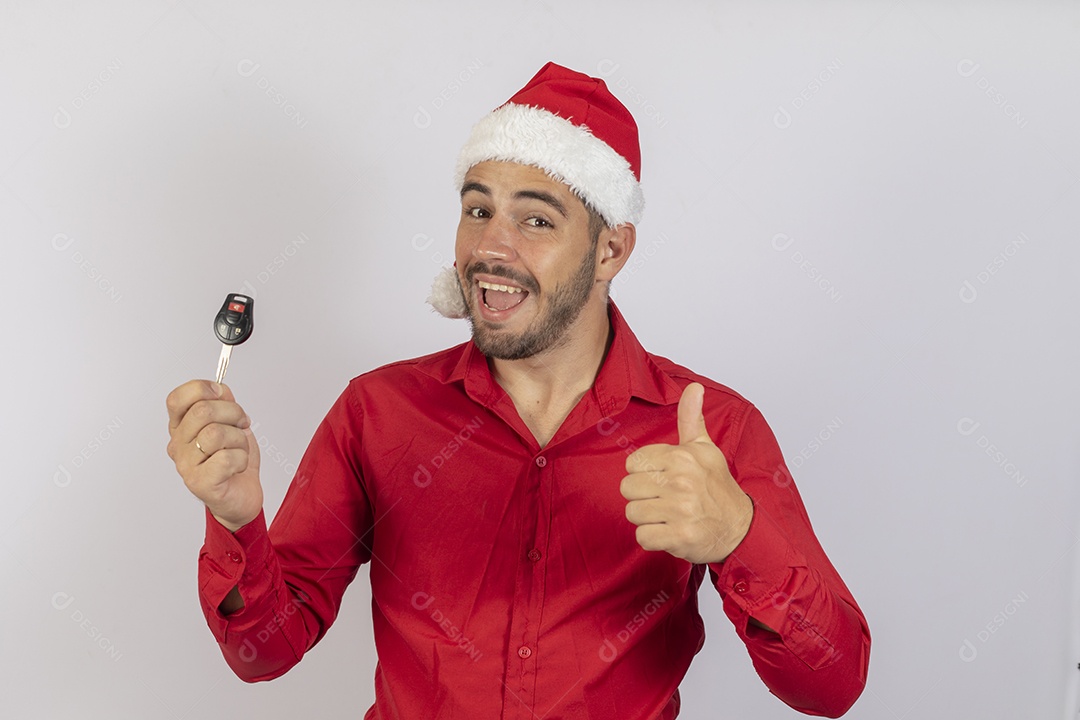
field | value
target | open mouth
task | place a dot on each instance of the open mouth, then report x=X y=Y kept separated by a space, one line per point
x=501 y=297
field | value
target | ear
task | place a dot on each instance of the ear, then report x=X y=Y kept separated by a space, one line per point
x=613 y=250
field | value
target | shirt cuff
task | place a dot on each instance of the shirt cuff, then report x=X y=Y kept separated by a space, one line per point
x=754 y=576
x=232 y=559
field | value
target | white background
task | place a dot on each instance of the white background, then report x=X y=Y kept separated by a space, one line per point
x=862 y=216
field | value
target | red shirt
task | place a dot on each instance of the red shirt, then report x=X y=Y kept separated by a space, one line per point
x=506 y=580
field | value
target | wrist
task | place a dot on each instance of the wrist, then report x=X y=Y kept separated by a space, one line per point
x=228 y=524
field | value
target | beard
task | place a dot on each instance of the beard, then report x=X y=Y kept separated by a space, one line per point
x=546 y=332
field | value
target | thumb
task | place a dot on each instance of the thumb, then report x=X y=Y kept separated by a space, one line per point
x=254 y=454
x=222 y=391
x=691 y=418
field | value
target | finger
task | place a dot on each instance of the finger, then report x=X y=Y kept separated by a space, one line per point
x=217 y=468
x=651 y=458
x=216 y=437
x=207 y=412
x=691 y=419
x=647 y=512
x=642 y=486
x=213 y=438
x=180 y=400
x=654 y=536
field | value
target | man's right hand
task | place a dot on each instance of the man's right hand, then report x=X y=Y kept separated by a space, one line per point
x=222 y=469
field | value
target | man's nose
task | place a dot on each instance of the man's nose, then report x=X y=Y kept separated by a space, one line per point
x=497 y=240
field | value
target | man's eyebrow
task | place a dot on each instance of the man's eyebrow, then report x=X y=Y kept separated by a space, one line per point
x=540 y=195
x=544 y=198
x=475 y=186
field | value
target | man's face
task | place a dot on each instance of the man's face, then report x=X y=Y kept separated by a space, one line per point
x=525 y=258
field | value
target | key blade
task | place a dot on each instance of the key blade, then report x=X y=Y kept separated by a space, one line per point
x=223 y=362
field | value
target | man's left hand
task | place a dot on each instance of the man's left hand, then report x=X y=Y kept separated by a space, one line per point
x=682 y=497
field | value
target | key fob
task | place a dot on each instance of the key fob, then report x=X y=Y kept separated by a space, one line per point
x=235 y=320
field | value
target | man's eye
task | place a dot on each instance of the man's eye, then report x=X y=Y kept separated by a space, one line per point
x=538 y=222
x=476 y=212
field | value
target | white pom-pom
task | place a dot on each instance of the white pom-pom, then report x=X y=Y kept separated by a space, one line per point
x=446 y=295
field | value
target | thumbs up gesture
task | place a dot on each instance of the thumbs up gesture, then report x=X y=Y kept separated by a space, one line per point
x=682 y=497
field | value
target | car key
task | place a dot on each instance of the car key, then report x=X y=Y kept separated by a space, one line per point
x=233 y=325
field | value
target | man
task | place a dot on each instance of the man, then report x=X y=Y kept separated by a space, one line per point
x=541 y=504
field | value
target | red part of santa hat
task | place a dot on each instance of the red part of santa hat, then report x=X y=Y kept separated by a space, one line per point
x=572 y=127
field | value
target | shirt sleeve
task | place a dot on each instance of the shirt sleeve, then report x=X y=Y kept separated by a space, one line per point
x=291 y=577
x=817 y=659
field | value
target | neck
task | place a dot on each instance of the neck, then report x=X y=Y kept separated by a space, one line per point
x=547 y=386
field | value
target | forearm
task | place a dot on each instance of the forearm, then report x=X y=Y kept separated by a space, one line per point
x=814 y=649
x=808 y=640
x=753 y=621
x=270 y=595
x=254 y=615
x=817 y=657
x=232 y=602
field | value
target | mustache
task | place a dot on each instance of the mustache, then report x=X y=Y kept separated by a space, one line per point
x=525 y=281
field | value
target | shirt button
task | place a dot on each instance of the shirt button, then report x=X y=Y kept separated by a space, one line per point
x=524 y=652
x=234 y=556
x=740 y=587
x=534 y=555
x=541 y=461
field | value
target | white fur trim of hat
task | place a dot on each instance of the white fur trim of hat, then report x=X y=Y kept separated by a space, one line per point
x=568 y=153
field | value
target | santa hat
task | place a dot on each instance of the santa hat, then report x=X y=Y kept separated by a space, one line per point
x=571 y=126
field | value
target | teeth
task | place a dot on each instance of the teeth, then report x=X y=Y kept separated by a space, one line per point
x=501 y=288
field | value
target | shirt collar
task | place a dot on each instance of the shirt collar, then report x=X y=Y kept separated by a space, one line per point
x=628 y=371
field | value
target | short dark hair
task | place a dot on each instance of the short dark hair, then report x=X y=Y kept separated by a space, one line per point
x=597 y=224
